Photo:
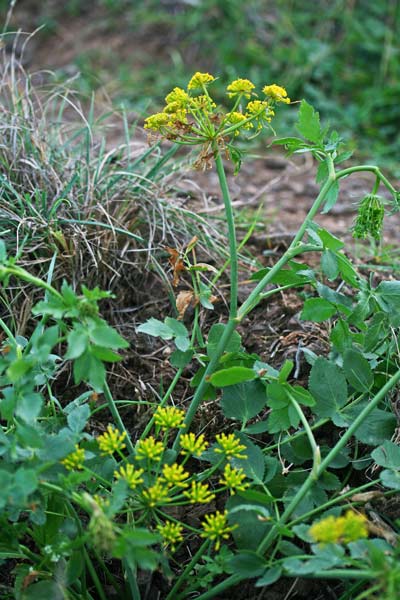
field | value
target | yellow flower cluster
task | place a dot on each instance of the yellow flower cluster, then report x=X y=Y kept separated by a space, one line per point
x=216 y=528
x=200 y=80
x=111 y=441
x=277 y=93
x=149 y=449
x=157 y=494
x=340 y=530
x=199 y=493
x=233 y=479
x=132 y=476
x=240 y=87
x=169 y=417
x=171 y=533
x=229 y=445
x=191 y=445
x=75 y=460
x=175 y=475
x=191 y=117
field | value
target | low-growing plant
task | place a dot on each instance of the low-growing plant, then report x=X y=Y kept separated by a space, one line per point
x=279 y=493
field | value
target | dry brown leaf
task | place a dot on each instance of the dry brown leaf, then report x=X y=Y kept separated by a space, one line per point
x=183 y=301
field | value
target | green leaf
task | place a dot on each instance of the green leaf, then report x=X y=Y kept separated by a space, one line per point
x=182 y=343
x=19 y=368
x=232 y=376
x=317 y=310
x=254 y=465
x=387 y=455
x=328 y=386
x=301 y=395
x=215 y=335
x=29 y=406
x=41 y=590
x=156 y=328
x=78 y=340
x=347 y=270
x=176 y=326
x=269 y=577
x=78 y=418
x=330 y=241
x=341 y=336
x=179 y=359
x=329 y=264
x=107 y=337
x=390 y=293
x=285 y=371
x=376 y=428
x=243 y=401
x=357 y=370
x=247 y=564
x=105 y=354
x=279 y=420
x=390 y=479
x=331 y=197
x=308 y=124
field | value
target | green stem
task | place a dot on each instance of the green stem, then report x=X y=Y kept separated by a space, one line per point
x=23 y=274
x=94 y=576
x=231 y=233
x=314 y=446
x=186 y=572
x=370 y=168
x=132 y=581
x=117 y=417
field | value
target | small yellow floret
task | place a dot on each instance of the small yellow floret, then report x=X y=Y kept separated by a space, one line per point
x=199 y=493
x=242 y=87
x=199 y=80
x=178 y=96
x=233 y=479
x=157 y=121
x=340 y=530
x=132 y=476
x=111 y=441
x=168 y=417
x=216 y=528
x=175 y=475
x=229 y=445
x=149 y=449
x=157 y=494
x=75 y=460
x=171 y=533
x=192 y=445
x=277 y=93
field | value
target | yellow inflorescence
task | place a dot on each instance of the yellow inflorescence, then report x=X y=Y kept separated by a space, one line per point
x=199 y=493
x=169 y=417
x=171 y=533
x=175 y=475
x=157 y=494
x=179 y=97
x=229 y=445
x=240 y=87
x=277 y=93
x=216 y=528
x=192 y=445
x=132 y=476
x=340 y=530
x=111 y=441
x=233 y=479
x=149 y=449
x=199 y=80
x=75 y=460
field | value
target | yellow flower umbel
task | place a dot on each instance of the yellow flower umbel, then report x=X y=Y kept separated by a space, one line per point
x=199 y=493
x=191 y=117
x=340 y=530
x=171 y=533
x=276 y=93
x=216 y=528
x=169 y=417
x=132 y=476
x=233 y=479
x=240 y=87
x=175 y=475
x=191 y=445
x=199 y=80
x=111 y=441
x=75 y=460
x=229 y=445
x=157 y=494
x=149 y=449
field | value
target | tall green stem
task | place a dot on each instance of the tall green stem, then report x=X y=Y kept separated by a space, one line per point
x=231 y=233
